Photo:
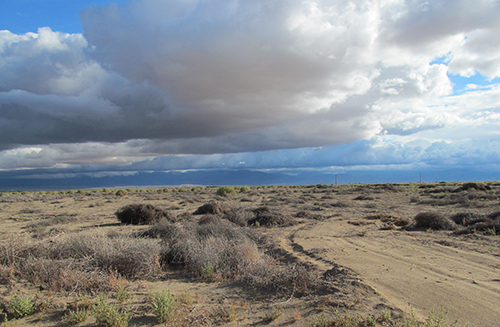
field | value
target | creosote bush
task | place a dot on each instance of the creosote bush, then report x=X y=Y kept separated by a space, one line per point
x=226 y=191
x=213 y=207
x=240 y=216
x=434 y=220
x=121 y=193
x=142 y=214
x=268 y=217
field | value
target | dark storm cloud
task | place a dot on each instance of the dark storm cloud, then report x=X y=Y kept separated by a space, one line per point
x=200 y=77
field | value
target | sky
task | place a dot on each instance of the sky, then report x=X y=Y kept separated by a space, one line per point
x=153 y=85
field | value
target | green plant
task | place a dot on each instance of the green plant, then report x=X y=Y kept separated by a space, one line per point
x=273 y=315
x=121 y=193
x=76 y=317
x=437 y=318
x=122 y=295
x=109 y=315
x=491 y=231
x=22 y=305
x=385 y=315
x=226 y=191
x=163 y=306
x=322 y=321
x=207 y=271
x=244 y=189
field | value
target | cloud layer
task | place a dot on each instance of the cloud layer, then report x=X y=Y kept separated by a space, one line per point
x=155 y=77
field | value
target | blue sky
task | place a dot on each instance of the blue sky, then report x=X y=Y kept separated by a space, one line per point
x=145 y=85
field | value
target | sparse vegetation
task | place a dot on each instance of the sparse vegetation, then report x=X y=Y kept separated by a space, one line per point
x=77 y=316
x=434 y=220
x=142 y=214
x=109 y=315
x=163 y=306
x=56 y=246
x=226 y=191
x=121 y=193
x=22 y=305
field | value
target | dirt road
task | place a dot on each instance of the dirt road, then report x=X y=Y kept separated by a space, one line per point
x=416 y=271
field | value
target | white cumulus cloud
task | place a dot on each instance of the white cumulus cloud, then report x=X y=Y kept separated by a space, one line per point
x=153 y=78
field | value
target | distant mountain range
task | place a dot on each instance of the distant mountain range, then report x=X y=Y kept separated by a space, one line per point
x=64 y=179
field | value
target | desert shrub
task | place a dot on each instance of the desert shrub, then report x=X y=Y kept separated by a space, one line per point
x=244 y=189
x=121 y=193
x=226 y=191
x=209 y=219
x=341 y=204
x=163 y=305
x=309 y=215
x=468 y=218
x=122 y=294
x=131 y=257
x=290 y=279
x=108 y=315
x=60 y=219
x=213 y=207
x=475 y=186
x=165 y=230
x=81 y=262
x=142 y=214
x=76 y=317
x=240 y=216
x=67 y=275
x=415 y=198
x=494 y=216
x=488 y=227
x=265 y=216
x=227 y=248
x=272 y=315
x=22 y=305
x=433 y=220
x=364 y=197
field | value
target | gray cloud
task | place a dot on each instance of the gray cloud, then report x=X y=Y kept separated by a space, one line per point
x=200 y=77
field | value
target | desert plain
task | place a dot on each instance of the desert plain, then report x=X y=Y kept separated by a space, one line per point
x=319 y=255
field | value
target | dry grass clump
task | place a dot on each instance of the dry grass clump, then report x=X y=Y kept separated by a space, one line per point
x=264 y=216
x=477 y=222
x=213 y=207
x=142 y=214
x=80 y=262
x=475 y=186
x=240 y=216
x=364 y=197
x=218 y=249
x=433 y=220
x=309 y=215
x=290 y=279
x=468 y=218
x=488 y=227
x=57 y=220
x=210 y=219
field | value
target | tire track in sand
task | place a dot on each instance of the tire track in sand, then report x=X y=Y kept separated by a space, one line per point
x=411 y=270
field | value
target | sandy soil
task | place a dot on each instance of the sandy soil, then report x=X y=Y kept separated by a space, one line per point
x=373 y=268
x=411 y=270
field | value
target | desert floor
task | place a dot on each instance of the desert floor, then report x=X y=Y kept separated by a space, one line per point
x=361 y=241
